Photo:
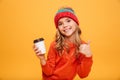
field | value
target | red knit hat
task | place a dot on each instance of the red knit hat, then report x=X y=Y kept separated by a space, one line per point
x=65 y=12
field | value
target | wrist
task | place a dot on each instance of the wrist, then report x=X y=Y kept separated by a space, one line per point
x=88 y=55
x=43 y=61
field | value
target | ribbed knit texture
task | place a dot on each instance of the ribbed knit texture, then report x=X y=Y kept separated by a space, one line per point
x=65 y=13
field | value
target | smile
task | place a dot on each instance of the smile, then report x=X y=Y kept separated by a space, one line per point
x=67 y=30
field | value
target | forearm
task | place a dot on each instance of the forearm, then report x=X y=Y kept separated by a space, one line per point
x=85 y=67
x=45 y=66
x=42 y=60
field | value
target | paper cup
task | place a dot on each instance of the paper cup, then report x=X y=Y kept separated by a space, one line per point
x=39 y=43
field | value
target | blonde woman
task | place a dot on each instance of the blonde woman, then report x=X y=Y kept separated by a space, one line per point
x=68 y=55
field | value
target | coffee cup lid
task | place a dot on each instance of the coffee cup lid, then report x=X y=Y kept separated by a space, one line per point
x=37 y=40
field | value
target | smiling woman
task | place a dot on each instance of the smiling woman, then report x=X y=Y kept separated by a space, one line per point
x=67 y=22
x=66 y=56
x=22 y=21
x=67 y=26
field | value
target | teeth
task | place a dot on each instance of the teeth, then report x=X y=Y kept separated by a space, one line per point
x=66 y=30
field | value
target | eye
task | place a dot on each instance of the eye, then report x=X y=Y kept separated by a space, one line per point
x=68 y=20
x=59 y=23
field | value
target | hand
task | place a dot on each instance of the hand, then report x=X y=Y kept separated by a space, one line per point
x=38 y=53
x=85 y=49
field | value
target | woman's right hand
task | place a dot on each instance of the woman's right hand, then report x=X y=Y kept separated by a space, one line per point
x=38 y=53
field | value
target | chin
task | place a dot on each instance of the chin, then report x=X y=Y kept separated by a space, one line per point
x=68 y=35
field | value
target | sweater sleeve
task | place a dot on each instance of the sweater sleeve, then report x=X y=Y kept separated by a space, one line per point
x=84 y=66
x=48 y=68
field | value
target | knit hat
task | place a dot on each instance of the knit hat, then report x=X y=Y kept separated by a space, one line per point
x=65 y=12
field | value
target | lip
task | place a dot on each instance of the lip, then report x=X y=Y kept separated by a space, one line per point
x=66 y=30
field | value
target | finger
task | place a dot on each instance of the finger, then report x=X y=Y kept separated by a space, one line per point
x=35 y=48
x=38 y=52
x=88 y=42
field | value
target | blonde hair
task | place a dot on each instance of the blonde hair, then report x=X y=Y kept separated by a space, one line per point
x=62 y=45
x=60 y=39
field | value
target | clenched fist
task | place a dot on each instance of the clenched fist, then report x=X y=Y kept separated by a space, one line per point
x=85 y=49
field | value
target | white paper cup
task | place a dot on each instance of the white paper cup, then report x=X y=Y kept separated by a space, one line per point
x=39 y=43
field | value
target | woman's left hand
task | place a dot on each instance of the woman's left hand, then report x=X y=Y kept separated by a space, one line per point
x=85 y=49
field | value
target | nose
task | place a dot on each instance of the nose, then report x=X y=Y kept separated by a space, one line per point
x=65 y=25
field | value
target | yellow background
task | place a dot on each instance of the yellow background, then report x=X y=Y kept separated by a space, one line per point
x=22 y=21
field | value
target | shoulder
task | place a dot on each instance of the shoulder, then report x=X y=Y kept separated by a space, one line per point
x=53 y=43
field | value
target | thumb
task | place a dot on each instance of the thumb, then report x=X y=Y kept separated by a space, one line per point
x=88 y=42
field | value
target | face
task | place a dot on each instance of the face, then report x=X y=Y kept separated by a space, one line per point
x=67 y=26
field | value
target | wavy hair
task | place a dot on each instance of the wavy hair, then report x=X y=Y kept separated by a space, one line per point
x=60 y=39
x=62 y=45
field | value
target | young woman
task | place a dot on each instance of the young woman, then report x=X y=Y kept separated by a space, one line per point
x=68 y=54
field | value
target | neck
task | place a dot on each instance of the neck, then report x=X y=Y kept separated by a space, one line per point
x=70 y=39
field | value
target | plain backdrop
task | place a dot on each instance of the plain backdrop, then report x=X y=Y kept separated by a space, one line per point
x=22 y=21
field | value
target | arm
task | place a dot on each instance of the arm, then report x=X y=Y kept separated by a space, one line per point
x=84 y=65
x=85 y=60
x=49 y=65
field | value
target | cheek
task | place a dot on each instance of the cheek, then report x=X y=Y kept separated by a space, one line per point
x=60 y=30
x=60 y=27
x=74 y=28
